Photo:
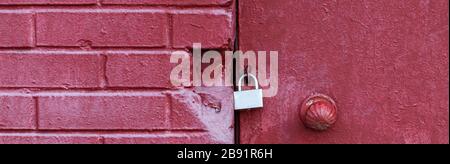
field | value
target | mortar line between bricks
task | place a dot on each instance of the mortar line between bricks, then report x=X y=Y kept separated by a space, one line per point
x=105 y=82
x=174 y=5
x=93 y=88
x=103 y=132
x=169 y=110
x=104 y=135
x=196 y=11
x=92 y=52
x=23 y=89
x=34 y=30
x=99 y=49
x=81 y=94
x=101 y=4
x=36 y=112
x=170 y=29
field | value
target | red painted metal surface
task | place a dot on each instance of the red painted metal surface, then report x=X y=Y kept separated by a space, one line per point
x=384 y=62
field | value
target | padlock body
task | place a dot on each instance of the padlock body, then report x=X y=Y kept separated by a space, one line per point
x=250 y=99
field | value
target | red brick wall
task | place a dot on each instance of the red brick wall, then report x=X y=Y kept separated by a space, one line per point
x=97 y=71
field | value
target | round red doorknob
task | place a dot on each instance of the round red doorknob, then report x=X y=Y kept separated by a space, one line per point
x=318 y=112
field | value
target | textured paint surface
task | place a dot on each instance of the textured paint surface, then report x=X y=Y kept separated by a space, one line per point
x=98 y=72
x=88 y=71
x=384 y=62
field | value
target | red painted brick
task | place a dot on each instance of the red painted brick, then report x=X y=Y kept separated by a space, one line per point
x=103 y=112
x=84 y=112
x=61 y=71
x=142 y=70
x=45 y=2
x=42 y=139
x=156 y=139
x=184 y=114
x=95 y=29
x=17 y=113
x=213 y=31
x=170 y=2
x=197 y=110
x=16 y=30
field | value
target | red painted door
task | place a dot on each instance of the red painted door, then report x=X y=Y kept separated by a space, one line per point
x=385 y=64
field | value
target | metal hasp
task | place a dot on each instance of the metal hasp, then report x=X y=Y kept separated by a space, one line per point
x=249 y=99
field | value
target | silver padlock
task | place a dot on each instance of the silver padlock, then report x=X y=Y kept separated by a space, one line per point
x=249 y=99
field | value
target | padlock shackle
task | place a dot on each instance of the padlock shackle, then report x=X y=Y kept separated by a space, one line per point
x=248 y=75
